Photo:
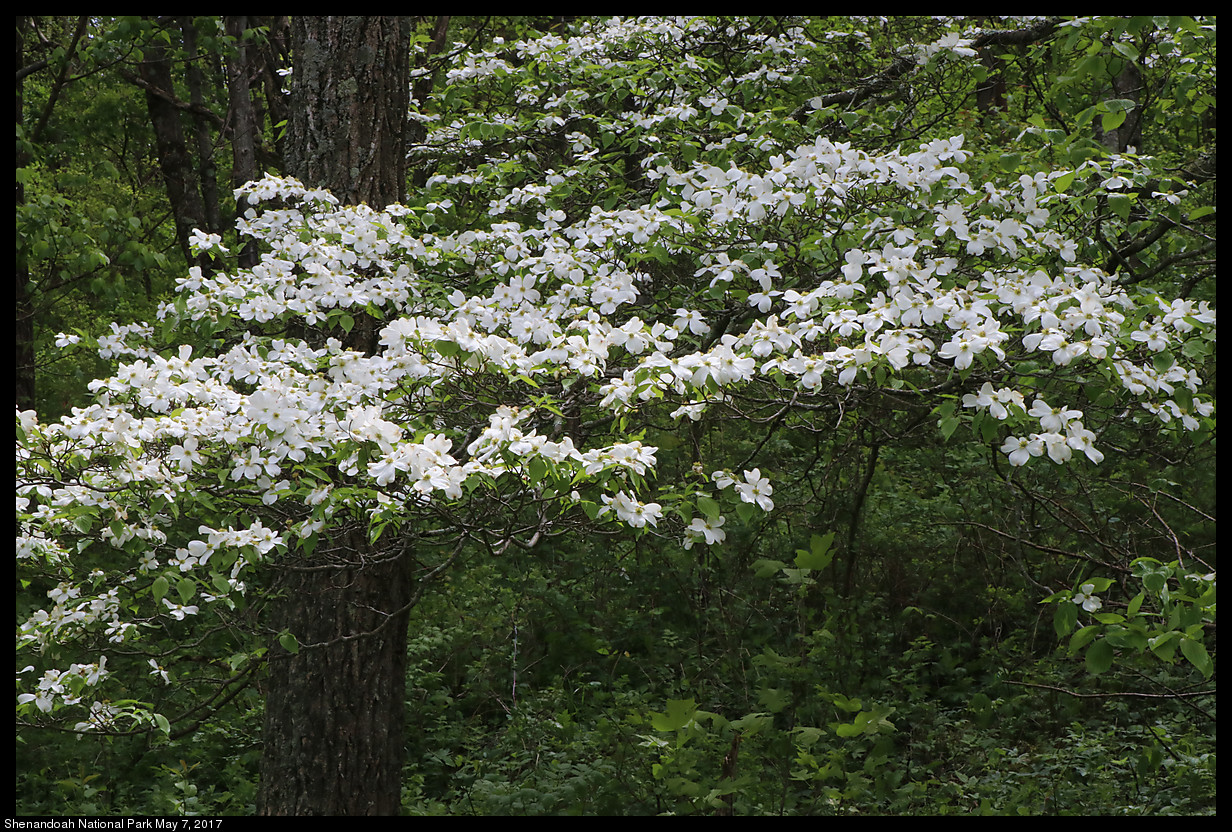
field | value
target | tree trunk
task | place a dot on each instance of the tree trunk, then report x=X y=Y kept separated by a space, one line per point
x=23 y=328
x=333 y=737
x=349 y=96
x=1126 y=85
x=174 y=160
x=334 y=711
x=242 y=120
x=207 y=170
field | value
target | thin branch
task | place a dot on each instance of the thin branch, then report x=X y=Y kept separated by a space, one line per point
x=407 y=607
x=1128 y=694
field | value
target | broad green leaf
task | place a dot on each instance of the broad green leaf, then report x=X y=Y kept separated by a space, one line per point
x=708 y=506
x=807 y=735
x=774 y=699
x=1195 y=652
x=680 y=712
x=818 y=555
x=1099 y=657
x=1064 y=619
x=1082 y=638
x=536 y=469
x=850 y=705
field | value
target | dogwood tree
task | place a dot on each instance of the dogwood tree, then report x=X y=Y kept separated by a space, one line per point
x=489 y=364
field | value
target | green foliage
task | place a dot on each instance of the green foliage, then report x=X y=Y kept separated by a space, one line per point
x=1174 y=608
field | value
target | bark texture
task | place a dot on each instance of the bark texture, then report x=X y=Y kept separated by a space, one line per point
x=333 y=736
x=350 y=92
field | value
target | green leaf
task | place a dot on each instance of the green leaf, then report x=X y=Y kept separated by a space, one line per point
x=1195 y=652
x=840 y=701
x=807 y=735
x=708 y=506
x=680 y=712
x=989 y=428
x=1163 y=361
x=1099 y=657
x=1082 y=638
x=948 y=425
x=774 y=699
x=289 y=643
x=818 y=555
x=1155 y=581
x=1064 y=619
x=867 y=722
x=1100 y=584
x=537 y=469
x=1164 y=645
x=160 y=587
x=1120 y=105
x=752 y=723
x=764 y=568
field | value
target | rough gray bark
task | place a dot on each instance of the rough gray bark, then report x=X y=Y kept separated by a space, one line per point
x=333 y=735
x=207 y=169
x=350 y=90
x=334 y=711
x=1126 y=85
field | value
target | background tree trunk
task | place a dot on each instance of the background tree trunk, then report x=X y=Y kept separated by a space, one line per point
x=333 y=736
x=207 y=168
x=23 y=328
x=1126 y=85
x=174 y=160
x=242 y=120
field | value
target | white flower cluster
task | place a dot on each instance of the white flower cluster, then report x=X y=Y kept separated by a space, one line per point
x=552 y=314
x=59 y=685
